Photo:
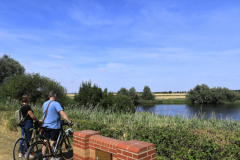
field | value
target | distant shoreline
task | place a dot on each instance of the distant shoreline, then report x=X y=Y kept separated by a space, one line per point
x=157 y=94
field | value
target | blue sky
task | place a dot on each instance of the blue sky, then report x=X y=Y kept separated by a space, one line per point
x=166 y=45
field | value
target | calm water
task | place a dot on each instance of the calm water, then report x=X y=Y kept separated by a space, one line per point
x=189 y=110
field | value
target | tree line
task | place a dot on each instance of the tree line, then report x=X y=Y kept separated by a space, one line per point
x=204 y=94
x=14 y=83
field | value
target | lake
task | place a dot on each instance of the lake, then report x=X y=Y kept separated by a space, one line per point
x=220 y=111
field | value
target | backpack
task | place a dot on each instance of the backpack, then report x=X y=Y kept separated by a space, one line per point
x=19 y=117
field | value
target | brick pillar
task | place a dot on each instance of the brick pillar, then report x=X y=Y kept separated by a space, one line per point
x=81 y=148
x=133 y=150
x=85 y=144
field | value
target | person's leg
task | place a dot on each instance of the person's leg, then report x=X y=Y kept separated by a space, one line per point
x=28 y=126
x=21 y=141
x=54 y=136
x=47 y=136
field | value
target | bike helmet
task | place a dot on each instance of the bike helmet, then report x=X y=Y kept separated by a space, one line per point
x=69 y=132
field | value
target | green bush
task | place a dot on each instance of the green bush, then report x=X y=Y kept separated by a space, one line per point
x=123 y=104
x=203 y=94
x=107 y=100
x=123 y=91
x=88 y=94
x=35 y=85
x=9 y=67
x=147 y=94
x=11 y=125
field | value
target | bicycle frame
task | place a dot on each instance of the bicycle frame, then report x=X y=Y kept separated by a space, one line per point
x=61 y=137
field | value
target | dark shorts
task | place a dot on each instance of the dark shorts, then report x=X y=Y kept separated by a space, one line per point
x=51 y=134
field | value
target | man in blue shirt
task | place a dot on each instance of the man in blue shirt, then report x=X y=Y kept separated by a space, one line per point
x=53 y=118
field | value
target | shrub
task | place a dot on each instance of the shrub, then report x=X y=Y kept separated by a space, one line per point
x=203 y=94
x=147 y=94
x=88 y=94
x=35 y=85
x=123 y=104
x=133 y=95
x=9 y=67
x=107 y=100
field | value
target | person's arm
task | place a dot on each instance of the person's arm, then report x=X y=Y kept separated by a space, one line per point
x=64 y=115
x=32 y=115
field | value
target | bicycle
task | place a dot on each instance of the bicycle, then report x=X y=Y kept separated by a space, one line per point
x=22 y=144
x=42 y=149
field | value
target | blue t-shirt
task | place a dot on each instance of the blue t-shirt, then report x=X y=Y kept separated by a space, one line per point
x=53 y=117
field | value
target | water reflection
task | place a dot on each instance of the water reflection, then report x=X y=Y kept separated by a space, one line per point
x=189 y=110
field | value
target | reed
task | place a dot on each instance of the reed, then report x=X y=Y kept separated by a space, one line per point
x=174 y=136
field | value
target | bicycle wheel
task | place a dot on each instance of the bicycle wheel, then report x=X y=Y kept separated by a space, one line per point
x=67 y=150
x=36 y=151
x=20 y=149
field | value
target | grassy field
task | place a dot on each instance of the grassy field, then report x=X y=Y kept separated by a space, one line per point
x=158 y=96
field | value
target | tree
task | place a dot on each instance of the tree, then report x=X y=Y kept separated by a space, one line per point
x=9 y=67
x=35 y=85
x=123 y=104
x=200 y=94
x=123 y=91
x=203 y=94
x=133 y=95
x=147 y=94
x=107 y=100
x=88 y=94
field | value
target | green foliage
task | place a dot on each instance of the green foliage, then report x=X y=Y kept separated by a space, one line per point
x=107 y=100
x=147 y=94
x=11 y=125
x=123 y=104
x=35 y=85
x=133 y=95
x=123 y=91
x=88 y=94
x=9 y=67
x=203 y=94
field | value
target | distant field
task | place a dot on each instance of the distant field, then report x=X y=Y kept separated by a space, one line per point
x=70 y=95
x=158 y=96
x=170 y=96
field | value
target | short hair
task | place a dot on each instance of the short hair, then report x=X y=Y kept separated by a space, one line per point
x=25 y=98
x=52 y=93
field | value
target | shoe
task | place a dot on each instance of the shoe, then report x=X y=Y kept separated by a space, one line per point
x=56 y=159
x=22 y=155
x=31 y=155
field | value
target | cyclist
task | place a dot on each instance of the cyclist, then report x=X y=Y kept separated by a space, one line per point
x=53 y=119
x=29 y=117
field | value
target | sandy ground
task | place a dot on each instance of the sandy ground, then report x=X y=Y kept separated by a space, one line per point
x=7 y=140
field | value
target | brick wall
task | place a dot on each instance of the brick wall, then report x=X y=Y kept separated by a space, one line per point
x=86 y=142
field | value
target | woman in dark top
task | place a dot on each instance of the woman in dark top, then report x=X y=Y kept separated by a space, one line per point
x=29 y=117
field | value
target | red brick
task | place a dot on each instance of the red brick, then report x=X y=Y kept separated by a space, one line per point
x=129 y=158
x=142 y=155
x=153 y=156
x=104 y=148
x=122 y=156
x=147 y=158
x=96 y=145
x=136 y=148
x=135 y=156
x=152 y=151
x=115 y=155
x=93 y=148
x=112 y=150
x=127 y=153
x=119 y=151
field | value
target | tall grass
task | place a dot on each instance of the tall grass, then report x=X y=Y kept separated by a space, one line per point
x=174 y=136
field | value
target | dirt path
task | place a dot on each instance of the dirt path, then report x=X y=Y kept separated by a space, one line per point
x=7 y=140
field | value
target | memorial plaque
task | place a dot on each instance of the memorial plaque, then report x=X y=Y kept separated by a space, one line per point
x=102 y=155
